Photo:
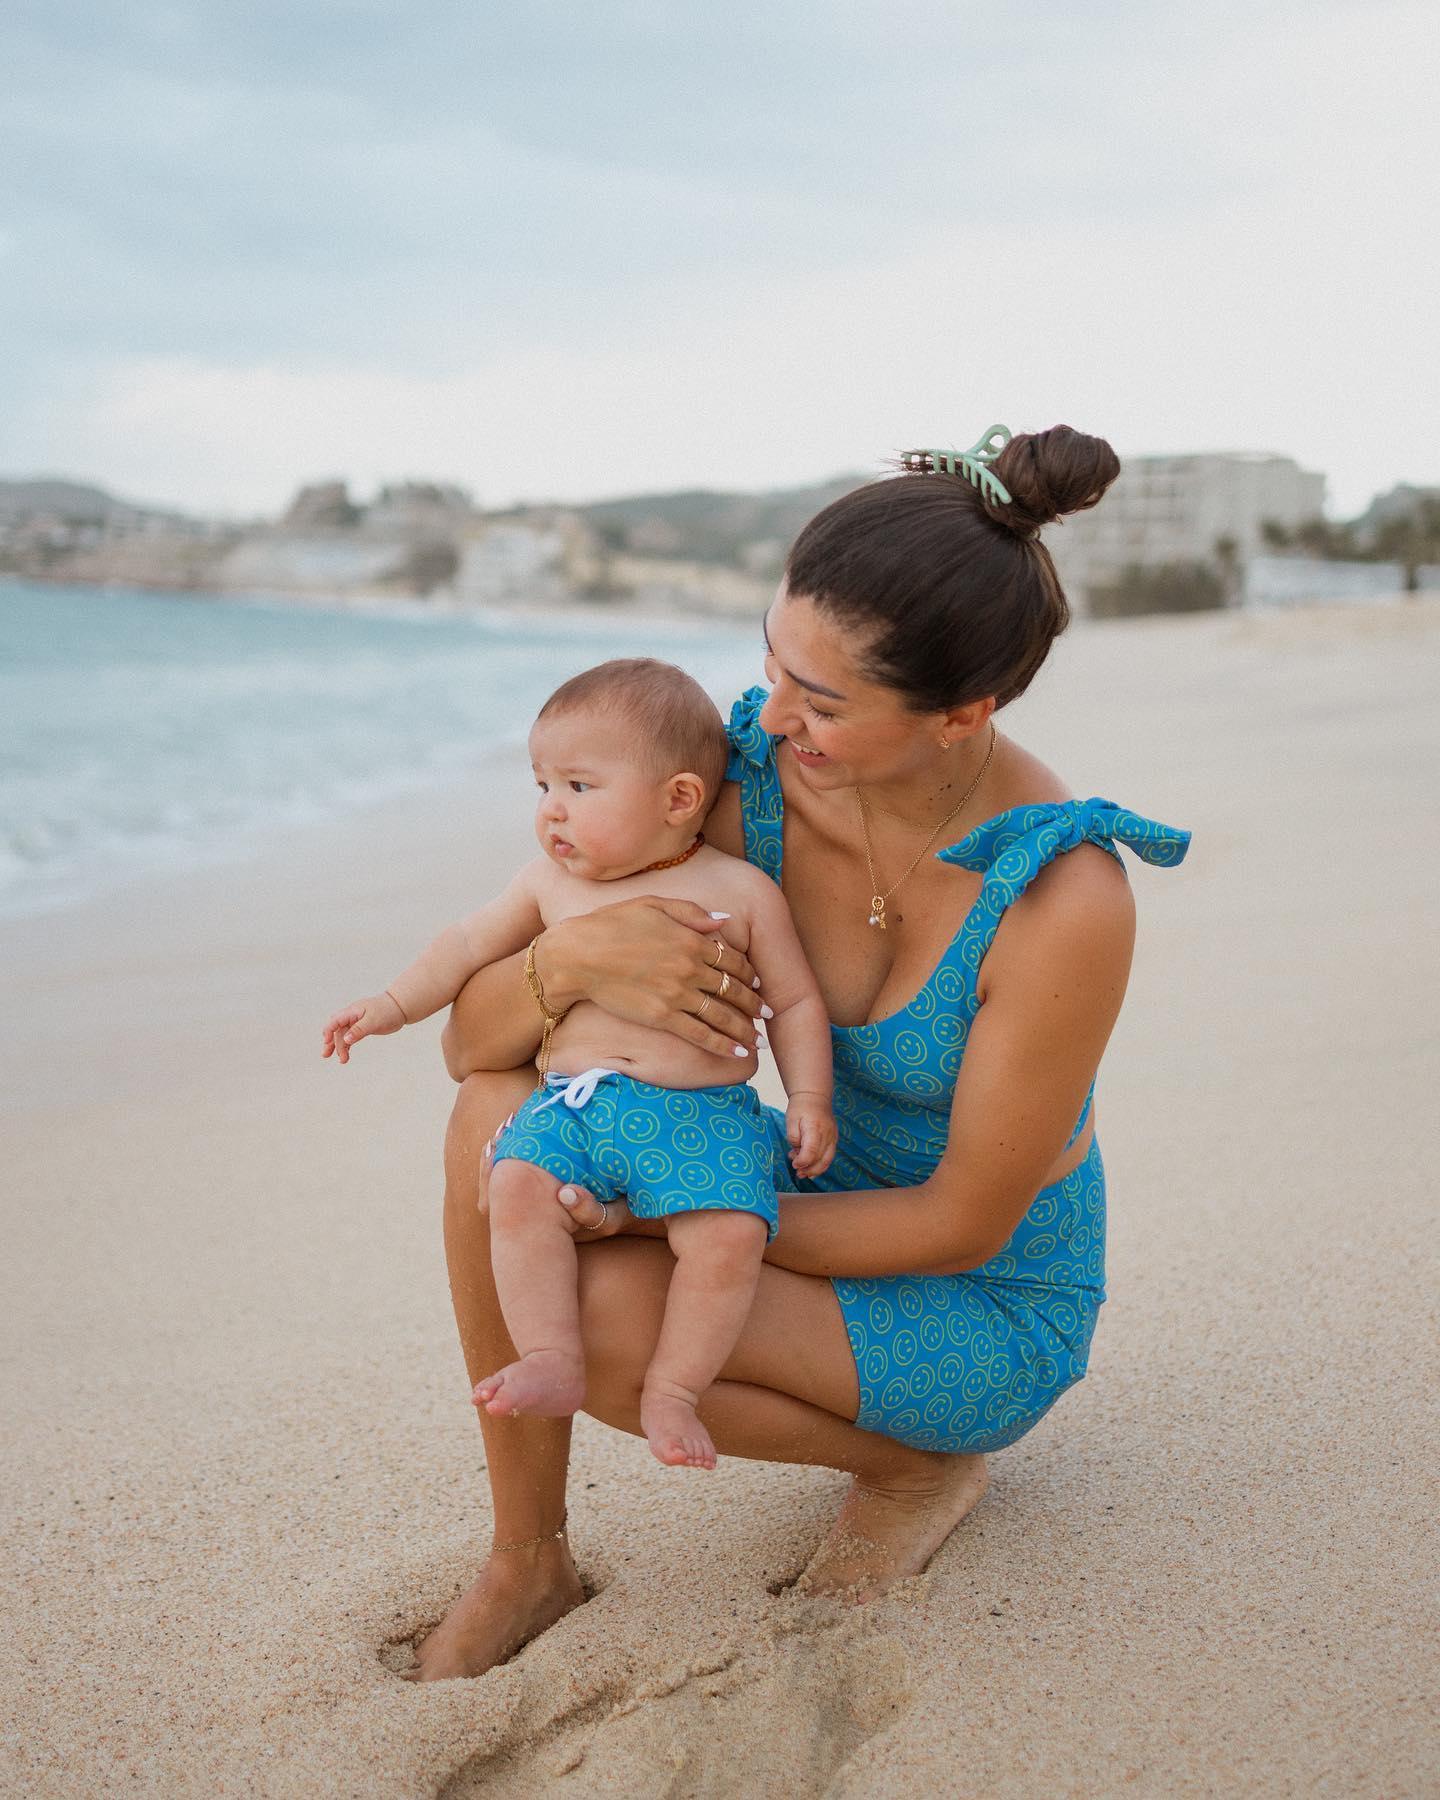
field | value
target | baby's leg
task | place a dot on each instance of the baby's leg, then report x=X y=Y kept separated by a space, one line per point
x=533 y=1257
x=717 y=1266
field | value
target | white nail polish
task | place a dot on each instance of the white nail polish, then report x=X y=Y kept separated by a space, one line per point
x=740 y=1050
x=767 y=1012
x=719 y=915
x=567 y=1196
x=756 y=982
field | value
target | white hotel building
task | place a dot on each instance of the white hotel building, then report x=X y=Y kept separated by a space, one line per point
x=1168 y=509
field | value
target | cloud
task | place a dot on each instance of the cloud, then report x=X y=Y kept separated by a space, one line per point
x=551 y=250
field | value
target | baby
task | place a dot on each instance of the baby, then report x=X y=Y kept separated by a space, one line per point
x=629 y=758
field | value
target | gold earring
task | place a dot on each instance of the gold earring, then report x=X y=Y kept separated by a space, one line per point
x=944 y=743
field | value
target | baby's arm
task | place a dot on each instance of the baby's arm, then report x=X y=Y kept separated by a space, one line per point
x=799 y=1031
x=442 y=969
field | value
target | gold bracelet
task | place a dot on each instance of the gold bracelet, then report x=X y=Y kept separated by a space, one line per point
x=547 y=1012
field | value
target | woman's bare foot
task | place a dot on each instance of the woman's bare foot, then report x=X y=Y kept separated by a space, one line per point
x=670 y=1423
x=547 y=1383
x=516 y=1596
x=888 y=1531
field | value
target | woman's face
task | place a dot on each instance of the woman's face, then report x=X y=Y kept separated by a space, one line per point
x=841 y=727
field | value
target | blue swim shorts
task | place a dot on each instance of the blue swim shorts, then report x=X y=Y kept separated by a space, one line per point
x=664 y=1150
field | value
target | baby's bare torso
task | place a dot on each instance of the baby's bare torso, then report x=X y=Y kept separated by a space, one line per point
x=588 y=1037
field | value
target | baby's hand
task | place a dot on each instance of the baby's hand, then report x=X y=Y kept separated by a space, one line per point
x=376 y=1017
x=811 y=1131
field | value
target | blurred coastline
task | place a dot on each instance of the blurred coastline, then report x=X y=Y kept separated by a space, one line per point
x=143 y=732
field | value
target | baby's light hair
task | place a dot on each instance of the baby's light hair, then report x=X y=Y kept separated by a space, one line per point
x=677 y=725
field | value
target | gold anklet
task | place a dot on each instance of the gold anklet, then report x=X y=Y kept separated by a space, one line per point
x=545 y=1537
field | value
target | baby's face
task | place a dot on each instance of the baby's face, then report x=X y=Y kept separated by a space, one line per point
x=599 y=813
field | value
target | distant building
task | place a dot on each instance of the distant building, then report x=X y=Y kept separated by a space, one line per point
x=1175 y=509
x=1402 y=502
x=1313 y=580
x=427 y=508
x=322 y=506
x=511 y=561
x=292 y=563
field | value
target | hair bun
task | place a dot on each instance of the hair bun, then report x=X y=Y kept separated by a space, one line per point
x=1051 y=473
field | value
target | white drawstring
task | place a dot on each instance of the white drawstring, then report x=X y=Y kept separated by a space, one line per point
x=575 y=1090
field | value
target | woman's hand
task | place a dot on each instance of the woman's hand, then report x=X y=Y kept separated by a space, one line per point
x=656 y=962
x=586 y=1218
x=590 y=1220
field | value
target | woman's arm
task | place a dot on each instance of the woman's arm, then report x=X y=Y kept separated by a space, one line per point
x=1054 y=981
x=648 y=960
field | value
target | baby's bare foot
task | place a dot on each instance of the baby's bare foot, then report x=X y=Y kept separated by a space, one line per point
x=669 y=1421
x=548 y=1383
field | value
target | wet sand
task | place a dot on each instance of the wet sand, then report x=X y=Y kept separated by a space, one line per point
x=240 y=1463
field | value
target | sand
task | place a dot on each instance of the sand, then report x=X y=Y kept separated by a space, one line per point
x=241 y=1469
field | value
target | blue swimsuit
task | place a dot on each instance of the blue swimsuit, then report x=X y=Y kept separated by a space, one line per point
x=968 y=1361
x=664 y=1150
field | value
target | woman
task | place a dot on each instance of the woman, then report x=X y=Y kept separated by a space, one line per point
x=931 y=1297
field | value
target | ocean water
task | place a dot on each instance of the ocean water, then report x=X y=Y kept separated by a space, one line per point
x=140 y=732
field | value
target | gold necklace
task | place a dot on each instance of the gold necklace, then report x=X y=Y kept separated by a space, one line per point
x=877 y=899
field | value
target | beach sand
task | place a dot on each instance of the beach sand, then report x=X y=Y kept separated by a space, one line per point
x=240 y=1465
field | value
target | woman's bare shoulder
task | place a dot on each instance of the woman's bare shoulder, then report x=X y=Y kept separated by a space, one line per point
x=1078 y=913
x=1025 y=781
x=1081 y=903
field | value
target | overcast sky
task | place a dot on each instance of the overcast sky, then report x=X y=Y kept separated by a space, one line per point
x=575 y=250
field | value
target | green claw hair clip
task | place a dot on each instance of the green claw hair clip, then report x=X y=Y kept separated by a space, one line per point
x=972 y=464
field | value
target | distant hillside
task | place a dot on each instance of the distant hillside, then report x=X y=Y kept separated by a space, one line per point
x=697 y=550
x=745 y=530
x=71 y=500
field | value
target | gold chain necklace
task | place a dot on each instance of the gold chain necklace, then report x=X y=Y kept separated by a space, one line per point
x=877 y=899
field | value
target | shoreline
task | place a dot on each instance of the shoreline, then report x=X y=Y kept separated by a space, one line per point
x=242 y=845
x=239 y=1456
x=73 y=832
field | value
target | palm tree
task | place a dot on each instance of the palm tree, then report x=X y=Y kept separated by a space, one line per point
x=1227 y=561
x=1412 y=539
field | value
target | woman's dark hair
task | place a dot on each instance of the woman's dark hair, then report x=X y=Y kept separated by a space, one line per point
x=959 y=595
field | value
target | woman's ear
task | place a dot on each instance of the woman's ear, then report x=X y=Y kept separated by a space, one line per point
x=685 y=799
x=962 y=722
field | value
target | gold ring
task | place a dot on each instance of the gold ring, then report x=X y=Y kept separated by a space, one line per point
x=724 y=987
x=700 y=1010
x=719 y=953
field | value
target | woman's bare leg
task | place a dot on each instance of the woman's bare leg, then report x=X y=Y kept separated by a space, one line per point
x=520 y=1591
x=788 y=1393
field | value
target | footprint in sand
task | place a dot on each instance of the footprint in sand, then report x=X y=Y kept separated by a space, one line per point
x=781 y=1717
